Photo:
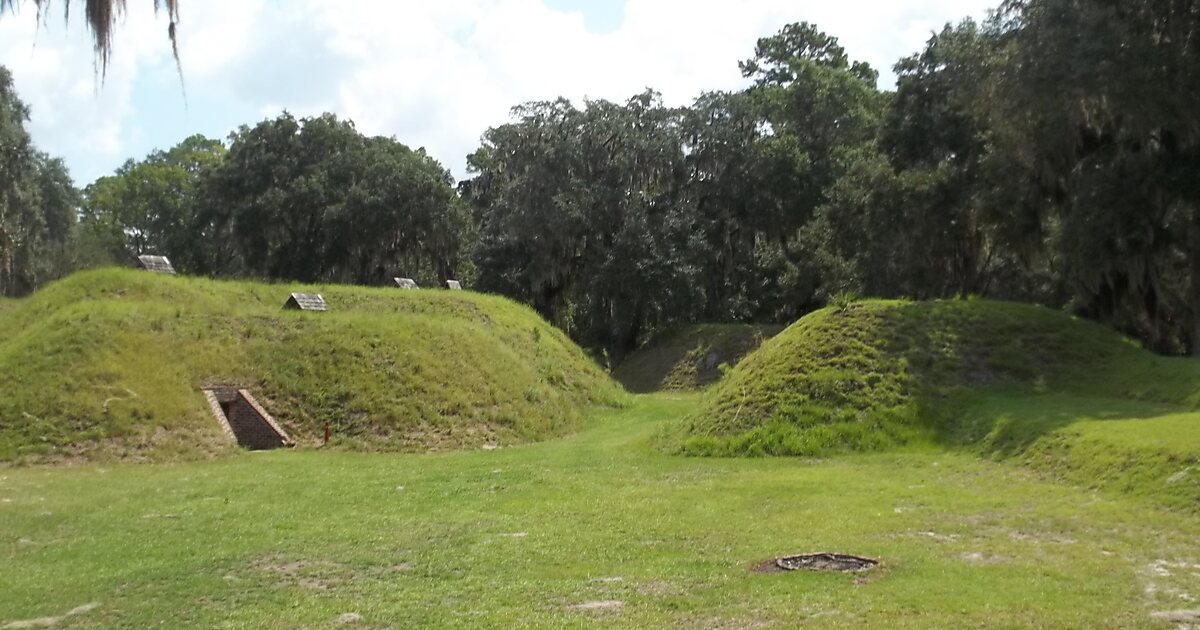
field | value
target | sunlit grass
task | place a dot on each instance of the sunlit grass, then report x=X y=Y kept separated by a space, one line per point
x=110 y=363
x=874 y=375
x=519 y=536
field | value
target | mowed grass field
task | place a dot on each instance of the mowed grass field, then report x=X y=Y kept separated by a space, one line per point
x=598 y=529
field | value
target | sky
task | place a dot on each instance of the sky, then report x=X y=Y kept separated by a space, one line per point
x=432 y=74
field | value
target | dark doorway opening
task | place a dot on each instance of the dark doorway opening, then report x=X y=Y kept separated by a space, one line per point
x=244 y=420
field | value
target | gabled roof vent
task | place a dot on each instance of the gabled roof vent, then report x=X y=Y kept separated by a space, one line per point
x=157 y=264
x=305 y=302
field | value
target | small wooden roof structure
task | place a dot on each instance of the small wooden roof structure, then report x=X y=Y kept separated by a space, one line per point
x=406 y=283
x=305 y=302
x=453 y=285
x=157 y=264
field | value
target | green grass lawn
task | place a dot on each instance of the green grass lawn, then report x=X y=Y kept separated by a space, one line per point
x=525 y=535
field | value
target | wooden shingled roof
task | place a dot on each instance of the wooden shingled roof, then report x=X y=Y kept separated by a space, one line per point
x=305 y=302
x=157 y=264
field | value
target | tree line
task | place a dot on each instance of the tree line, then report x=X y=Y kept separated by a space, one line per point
x=1048 y=154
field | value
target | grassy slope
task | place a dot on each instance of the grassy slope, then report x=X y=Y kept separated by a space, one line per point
x=1139 y=448
x=689 y=357
x=109 y=363
x=1004 y=379
x=514 y=537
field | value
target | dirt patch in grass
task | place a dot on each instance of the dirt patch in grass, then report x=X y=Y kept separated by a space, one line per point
x=606 y=605
x=723 y=623
x=1184 y=618
x=607 y=580
x=1171 y=584
x=976 y=557
x=346 y=618
x=766 y=566
x=310 y=574
x=659 y=588
x=316 y=574
x=50 y=622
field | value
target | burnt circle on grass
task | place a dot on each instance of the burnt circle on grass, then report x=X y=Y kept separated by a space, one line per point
x=822 y=561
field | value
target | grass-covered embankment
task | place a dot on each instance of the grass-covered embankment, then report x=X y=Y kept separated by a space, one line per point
x=1004 y=379
x=109 y=363
x=591 y=529
x=1145 y=449
x=689 y=358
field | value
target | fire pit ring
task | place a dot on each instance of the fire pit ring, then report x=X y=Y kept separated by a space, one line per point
x=822 y=561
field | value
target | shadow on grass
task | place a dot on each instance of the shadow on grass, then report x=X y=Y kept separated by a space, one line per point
x=1005 y=421
x=689 y=358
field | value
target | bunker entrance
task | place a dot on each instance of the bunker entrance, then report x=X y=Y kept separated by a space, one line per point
x=244 y=420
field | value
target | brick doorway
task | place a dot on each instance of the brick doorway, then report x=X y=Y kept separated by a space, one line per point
x=244 y=420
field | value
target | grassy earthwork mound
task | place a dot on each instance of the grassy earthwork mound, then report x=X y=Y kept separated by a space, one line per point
x=690 y=358
x=110 y=364
x=1004 y=379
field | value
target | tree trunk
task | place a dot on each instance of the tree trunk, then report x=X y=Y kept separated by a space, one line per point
x=1194 y=282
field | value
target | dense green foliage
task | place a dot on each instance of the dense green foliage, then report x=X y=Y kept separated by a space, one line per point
x=37 y=202
x=148 y=207
x=576 y=216
x=615 y=221
x=110 y=363
x=690 y=357
x=1100 y=116
x=873 y=375
x=315 y=200
x=308 y=200
x=1044 y=156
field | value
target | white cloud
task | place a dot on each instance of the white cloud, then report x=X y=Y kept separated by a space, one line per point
x=53 y=71
x=432 y=74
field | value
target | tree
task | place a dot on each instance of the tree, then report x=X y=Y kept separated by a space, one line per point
x=722 y=132
x=1098 y=102
x=820 y=110
x=911 y=216
x=147 y=207
x=102 y=16
x=314 y=200
x=37 y=202
x=529 y=243
x=578 y=213
x=616 y=220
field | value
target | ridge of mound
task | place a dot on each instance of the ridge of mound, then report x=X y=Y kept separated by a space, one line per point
x=110 y=363
x=689 y=358
x=877 y=374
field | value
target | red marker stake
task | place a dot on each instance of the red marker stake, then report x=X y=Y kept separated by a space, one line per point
x=326 y=431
